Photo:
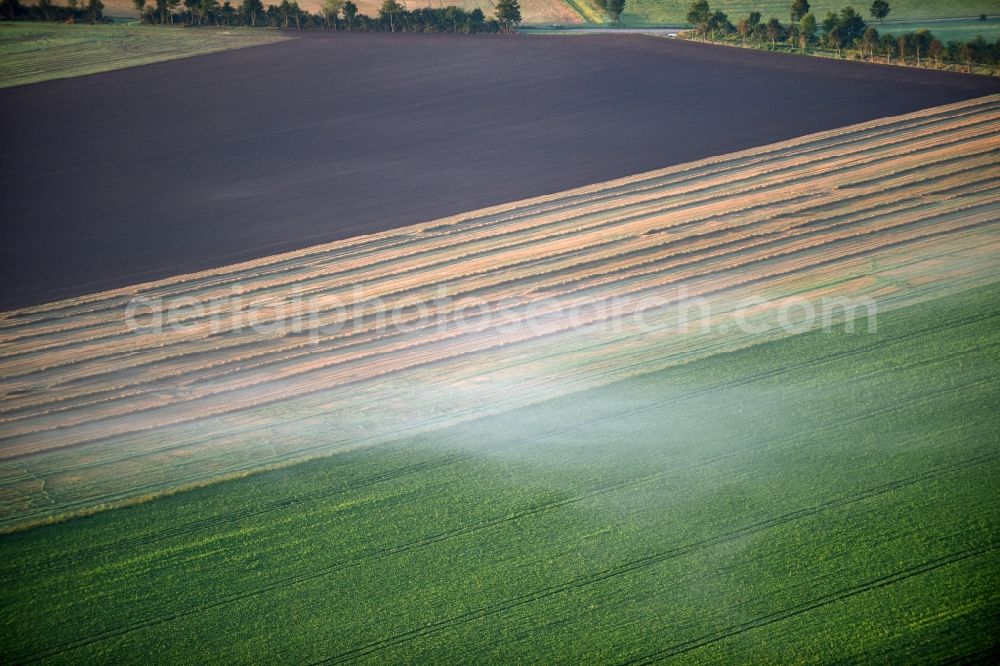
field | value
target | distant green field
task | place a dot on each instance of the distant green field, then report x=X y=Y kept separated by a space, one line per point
x=32 y=52
x=827 y=497
x=673 y=12
x=962 y=31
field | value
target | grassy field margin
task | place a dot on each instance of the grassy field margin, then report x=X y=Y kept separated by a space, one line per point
x=33 y=51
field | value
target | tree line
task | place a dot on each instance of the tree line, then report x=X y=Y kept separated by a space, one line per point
x=842 y=31
x=613 y=8
x=287 y=15
x=75 y=11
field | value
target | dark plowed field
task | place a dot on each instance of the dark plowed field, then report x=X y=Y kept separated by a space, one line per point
x=169 y=168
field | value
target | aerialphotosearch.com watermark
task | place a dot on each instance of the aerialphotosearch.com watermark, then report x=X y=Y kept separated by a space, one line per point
x=319 y=317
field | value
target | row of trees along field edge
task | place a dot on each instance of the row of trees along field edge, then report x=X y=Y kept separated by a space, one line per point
x=842 y=31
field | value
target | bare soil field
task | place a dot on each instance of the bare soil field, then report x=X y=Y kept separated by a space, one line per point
x=153 y=171
x=490 y=310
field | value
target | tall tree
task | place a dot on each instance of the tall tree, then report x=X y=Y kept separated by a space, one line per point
x=350 y=11
x=967 y=51
x=879 y=10
x=718 y=23
x=10 y=8
x=390 y=9
x=869 y=42
x=285 y=10
x=852 y=26
x=95 y=10
x=807 y=30
x=331 y=10
x=476 y=19
x=251 y=11
x=887 y=44
x=508 y=14
x=743 y=28
x=835 y=38
x=615 y=9
x=921 y=43
x=754 y=20
x=935 y=50
x=207 y=9
x=903 y=44
x=139 y=5
x=699 y=14
x=774 y=30
x=799 y=9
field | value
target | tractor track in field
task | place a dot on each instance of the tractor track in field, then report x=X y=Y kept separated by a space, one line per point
x=534 y=595
x=649 y=560
x=817 y=602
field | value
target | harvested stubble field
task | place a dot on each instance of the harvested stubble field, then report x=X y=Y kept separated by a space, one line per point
x=896 y=210
x=283 y=146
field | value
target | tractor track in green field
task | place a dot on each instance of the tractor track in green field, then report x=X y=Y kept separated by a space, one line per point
x=640 y=563
x=534 y=595
x=518 y=515
x=402 y=548
x=818 y=602
x=66 y=561
x=990 y=655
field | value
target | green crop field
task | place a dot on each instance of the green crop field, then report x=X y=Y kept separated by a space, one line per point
x=830 y=496
x=962 y=31
x=673 y=12
x=32 y=52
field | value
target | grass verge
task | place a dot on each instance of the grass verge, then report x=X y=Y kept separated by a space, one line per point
x=31 y=52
